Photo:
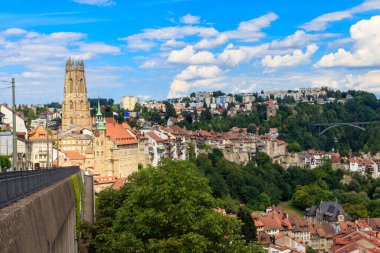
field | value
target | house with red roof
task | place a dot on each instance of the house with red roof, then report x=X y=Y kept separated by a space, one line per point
x=356 y=242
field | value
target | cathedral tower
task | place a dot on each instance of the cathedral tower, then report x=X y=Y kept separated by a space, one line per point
x=76 y=108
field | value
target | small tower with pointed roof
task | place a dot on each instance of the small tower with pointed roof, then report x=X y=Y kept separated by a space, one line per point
x=99 y=123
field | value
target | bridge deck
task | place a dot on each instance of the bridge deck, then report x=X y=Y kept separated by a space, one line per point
x=18 y=184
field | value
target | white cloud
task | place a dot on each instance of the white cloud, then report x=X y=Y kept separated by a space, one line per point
x=13 y=31
x=365 y=52
x=247 y=31
x=190 y=57
x=199 y=72
x=369 y=81
x=194 y=77
x=174 y=44
x=321 y=23
x=211 y=43
x=98 y=48
x=41 y=58
x=296 y=58
x=233 y=56
x=190 y=19
x=146 y=39
x=28 y=74
x=96 y=2
x=250 y=31
x=151 y=64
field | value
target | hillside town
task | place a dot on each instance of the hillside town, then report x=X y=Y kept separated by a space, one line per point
x=111 y=151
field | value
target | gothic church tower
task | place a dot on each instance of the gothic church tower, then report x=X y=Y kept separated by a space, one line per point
x=76 y=108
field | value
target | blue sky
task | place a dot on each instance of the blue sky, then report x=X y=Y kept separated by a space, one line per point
x=167 y=48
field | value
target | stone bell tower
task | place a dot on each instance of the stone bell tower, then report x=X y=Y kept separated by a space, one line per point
x=76 y=108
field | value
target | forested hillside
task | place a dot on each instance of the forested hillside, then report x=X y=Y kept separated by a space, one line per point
x=172 y=207
x=296 y=122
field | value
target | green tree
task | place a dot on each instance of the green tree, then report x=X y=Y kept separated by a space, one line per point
x=248 y=230
x=169 y=110
x=310 y=250
x=137 y=108
x=251 y=128
x=4 y=162
x=309 y=195
x=376 y=194
x=264 y=201
x=169 y=209
x=294 y=147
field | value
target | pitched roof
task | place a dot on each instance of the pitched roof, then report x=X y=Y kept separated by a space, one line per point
x=155 y=137
x=74 y=155
x=39 y=134
x=119 y=134
x=119 y=183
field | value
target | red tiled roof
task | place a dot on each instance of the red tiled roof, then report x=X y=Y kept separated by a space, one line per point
x=74 y=155
x=119 y=183
x=155 y=137
x=119 y=134
x=126 y=126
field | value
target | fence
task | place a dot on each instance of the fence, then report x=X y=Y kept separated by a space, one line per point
x=18 y=184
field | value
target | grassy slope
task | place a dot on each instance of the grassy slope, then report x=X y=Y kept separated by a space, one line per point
x=290 y=209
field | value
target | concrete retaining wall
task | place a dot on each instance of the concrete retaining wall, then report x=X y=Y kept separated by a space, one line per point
x=42 y=222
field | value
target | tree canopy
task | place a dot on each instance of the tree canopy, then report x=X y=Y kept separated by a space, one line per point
x=166 y=209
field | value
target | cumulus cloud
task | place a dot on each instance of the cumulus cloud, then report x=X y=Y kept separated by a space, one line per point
x=321 y=23
x=247 y=31
x=174 y=44
x=96 y=2
x=190 y=19
x=365 y=52
x=250 y=30
x=369 y=81
x=211 y=43
x=193 y=77
x=150 y=64
x=190 y=57
x=233 y=56
x=41 y=56
x=299 y=39
x=148 y=38
x=296 y=58
x=199 y=72
x=98 y=48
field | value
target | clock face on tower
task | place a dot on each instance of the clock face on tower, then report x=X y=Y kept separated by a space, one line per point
x=97 y=133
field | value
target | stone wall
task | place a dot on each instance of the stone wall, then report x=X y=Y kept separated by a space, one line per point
x=42 y=222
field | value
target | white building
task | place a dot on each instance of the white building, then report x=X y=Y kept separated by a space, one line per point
x=37 y=122
x=7 y=119
x=157 y=149
x=128 y=102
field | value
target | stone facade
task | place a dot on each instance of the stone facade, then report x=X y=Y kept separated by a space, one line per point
x=76 y=108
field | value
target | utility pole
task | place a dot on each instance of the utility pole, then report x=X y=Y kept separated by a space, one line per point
x=47 y=143
x=57 y=149
x=14 y=126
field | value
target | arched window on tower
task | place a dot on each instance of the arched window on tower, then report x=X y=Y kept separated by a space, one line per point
x=71 y=105
x=81 y=86
x=71 y=121
x=76 y=87
x=71 y=85
x=82 y=105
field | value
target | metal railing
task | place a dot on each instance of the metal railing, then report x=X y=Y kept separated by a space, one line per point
x=18 y=184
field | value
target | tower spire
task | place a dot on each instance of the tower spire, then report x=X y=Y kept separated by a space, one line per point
x=99 y=124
